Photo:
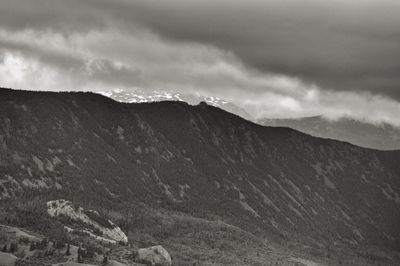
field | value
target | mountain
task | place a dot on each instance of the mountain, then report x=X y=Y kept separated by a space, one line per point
x=139 y=96
x=382 y=137
x=197 y=161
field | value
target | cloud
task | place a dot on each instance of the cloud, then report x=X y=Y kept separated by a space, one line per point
x=365 y=107
x=275 y=59
x=340 y=45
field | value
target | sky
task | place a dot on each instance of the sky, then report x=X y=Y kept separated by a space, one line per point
x=286 y=58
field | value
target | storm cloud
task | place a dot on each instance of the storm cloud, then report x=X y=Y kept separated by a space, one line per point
x=340 y=45
x=275 y=58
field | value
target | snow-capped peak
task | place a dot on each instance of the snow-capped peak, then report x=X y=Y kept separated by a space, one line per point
x=139 y=96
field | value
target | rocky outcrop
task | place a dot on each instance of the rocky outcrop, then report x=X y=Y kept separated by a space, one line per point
x=89 y=217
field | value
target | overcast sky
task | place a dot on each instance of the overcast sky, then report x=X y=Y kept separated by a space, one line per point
x=282 y=58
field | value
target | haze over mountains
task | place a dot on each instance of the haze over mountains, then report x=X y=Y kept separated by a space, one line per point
x=382 y=136
x=200 y=160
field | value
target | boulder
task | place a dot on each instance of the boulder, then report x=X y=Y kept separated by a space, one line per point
x=7 y=259
x=155 y=256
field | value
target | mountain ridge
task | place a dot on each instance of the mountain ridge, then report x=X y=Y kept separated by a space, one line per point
x=139 y=96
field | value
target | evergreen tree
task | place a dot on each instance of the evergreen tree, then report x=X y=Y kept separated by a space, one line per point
x=13 y=247
x=80 y=257
x=32 y=246
x=68 y=252
x=43 y=243
x=105 y=259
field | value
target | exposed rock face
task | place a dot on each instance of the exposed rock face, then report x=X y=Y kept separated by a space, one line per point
x=155 y=256
x=199 y=160
x=89 y=217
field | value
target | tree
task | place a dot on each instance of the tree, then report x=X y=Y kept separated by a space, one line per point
x=68 y=252
x=50 y=251
x=105 y=259
x=43 y=243
x=13 y=247
x=59 y=244
x=89 y=252
x=80 y=255
x=32 y=246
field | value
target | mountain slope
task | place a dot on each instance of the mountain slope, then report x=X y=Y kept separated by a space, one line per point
x=199 y=160
x=383 y=137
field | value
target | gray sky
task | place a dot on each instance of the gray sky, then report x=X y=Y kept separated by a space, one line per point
x=281 y=58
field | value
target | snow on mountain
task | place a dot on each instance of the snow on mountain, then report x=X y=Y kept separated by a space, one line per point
x=89 y=217
x=139 y=96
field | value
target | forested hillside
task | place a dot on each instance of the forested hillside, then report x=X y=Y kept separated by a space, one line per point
x=197 y=160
